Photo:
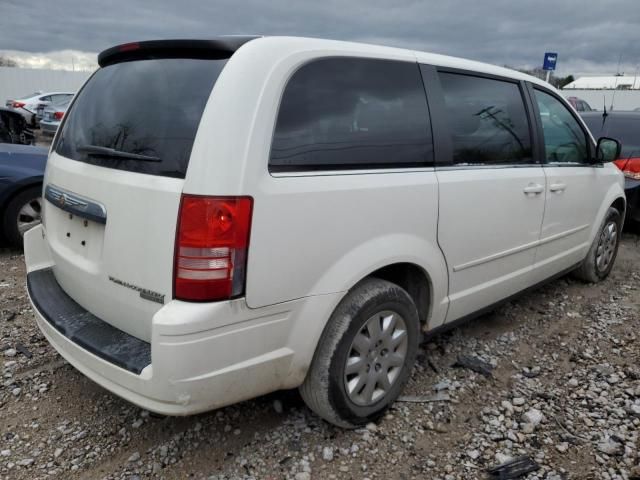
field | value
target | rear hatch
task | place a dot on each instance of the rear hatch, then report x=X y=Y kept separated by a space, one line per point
x=115 y=175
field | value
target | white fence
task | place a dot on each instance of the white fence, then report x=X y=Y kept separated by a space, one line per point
x=621 y=99
x=18 y=82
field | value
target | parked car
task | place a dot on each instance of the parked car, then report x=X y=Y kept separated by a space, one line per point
x=52 y=117
x=298 y=224
x=625 y=127
x=21 y=173
x=27 y=106
x=14 y=128
x=58 y=101
x=579 y=104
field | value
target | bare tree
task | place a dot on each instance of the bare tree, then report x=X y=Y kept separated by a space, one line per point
x=7 y=62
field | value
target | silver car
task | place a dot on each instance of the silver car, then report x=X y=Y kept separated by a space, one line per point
x=52 y=116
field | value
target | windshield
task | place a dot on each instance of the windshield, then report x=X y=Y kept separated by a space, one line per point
x=147 y=108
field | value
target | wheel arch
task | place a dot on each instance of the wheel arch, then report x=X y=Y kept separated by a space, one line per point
x=620 y=204
x=415 y=280
x=615 y=198
x=398 y=258
x=418 y=261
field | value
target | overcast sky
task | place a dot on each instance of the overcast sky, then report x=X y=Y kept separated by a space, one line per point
x=589 y=36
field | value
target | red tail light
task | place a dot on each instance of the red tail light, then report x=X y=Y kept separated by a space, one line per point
x=18 y=104
x=211 y=247
x=58 y=115
x=630 y=167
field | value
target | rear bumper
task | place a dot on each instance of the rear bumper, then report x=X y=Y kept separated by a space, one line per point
x=202 y=356
x=83 y=328
x=49 y=128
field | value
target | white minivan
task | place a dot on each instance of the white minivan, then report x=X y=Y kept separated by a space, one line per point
x=229 y=217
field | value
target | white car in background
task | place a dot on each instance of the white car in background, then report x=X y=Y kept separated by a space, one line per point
x=28 y=105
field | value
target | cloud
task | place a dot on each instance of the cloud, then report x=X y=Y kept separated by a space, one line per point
x=588 y=36
x=57 y=60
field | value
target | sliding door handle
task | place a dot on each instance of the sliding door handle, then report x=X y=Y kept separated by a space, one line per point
x=533 y=189
x=557 y=187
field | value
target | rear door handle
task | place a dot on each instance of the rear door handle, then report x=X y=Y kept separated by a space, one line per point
x=534 y=189
x=558 y=187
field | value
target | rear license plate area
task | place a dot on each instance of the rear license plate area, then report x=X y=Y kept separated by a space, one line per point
x=75 y=235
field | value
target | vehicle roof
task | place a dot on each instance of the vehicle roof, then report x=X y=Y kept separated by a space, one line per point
x=284 y=46
x=393 y=52
x=379 y=51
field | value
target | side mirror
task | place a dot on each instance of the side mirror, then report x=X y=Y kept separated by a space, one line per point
x=608 y=149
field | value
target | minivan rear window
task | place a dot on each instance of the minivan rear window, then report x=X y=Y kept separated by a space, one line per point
x=148 y=108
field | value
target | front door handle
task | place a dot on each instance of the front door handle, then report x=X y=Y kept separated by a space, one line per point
x=533 y=189
x=558 y=187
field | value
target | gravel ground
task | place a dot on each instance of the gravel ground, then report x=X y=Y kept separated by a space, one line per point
x=564 y=391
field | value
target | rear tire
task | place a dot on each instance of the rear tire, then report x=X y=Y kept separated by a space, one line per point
x=22 y=213
x=603 y=252
x=365 y=355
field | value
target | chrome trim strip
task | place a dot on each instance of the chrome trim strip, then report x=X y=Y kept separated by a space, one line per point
x=521 y=248
x=75 y=204
x=560 y=235
x=331 y=173
x=449 y=168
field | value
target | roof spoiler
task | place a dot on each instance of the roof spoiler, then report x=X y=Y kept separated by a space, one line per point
x=213 y=49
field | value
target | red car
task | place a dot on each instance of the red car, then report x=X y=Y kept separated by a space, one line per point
x=579 y=104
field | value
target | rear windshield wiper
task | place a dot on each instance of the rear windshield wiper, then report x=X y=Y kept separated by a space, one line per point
x=112 y=152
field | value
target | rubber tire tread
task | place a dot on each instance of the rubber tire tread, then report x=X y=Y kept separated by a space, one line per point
x=587 y=271
x=9 y=222
x=319 y=387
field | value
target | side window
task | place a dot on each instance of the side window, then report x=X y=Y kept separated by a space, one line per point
x=564 y=139
x=487 y=120
x=352 y=113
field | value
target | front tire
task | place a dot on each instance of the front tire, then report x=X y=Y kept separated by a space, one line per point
x=603 y=252
x=365 y=355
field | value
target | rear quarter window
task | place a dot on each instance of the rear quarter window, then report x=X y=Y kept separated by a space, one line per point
x=352 y=113
x=148 y=107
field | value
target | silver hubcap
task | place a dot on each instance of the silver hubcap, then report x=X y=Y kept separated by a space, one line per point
x=606 y=246
x=376 y=358
x=29 y=215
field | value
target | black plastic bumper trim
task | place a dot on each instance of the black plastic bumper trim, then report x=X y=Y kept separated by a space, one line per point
x=82 y=327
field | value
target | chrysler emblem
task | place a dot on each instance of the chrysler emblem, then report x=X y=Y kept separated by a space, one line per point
x=62 y=200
